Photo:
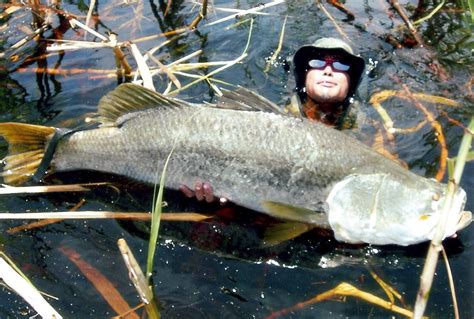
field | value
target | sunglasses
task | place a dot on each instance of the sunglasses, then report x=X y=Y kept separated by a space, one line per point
x=322 y=63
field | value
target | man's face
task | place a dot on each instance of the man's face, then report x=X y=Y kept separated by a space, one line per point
x=327 y=85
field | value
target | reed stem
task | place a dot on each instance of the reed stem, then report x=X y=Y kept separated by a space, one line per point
x=426 y=279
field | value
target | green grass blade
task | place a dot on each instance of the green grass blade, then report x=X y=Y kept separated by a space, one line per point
x=155 y=220
x=471 y=8
x=470 y=156
x=464 y=151
x=468 y=5
x=452 y=162
x=431 y=14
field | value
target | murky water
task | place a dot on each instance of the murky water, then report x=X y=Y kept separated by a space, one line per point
x=218 y=270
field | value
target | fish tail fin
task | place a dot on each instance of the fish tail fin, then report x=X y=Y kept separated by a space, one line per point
x=26 y=149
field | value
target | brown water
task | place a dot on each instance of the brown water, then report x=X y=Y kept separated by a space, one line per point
x=218 y=270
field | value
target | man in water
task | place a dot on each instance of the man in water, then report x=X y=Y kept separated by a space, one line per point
x=327 y=74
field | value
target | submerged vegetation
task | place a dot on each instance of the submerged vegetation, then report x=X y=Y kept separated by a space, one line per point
x=420 y=105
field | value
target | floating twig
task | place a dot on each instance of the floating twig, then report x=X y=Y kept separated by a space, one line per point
x=377 y=98
x=9 y=10
x=455 y=122
x=431 y=14
x=389 y=290
x=120 y=58
x=105 y=73
x=205 y=77
x=185 y=58
x=138 y=279
x=143 y=69
x=231 y=63
x=165 y=69
x=229 y=27
x=168 y=7
x=12 y=50
x=197 y=65
x=26 y=290
x=404 y=16
x=89 y=15
x=43 y=222
x=247 y=12
x=235 y=10
x=378 y=145
x=439 y=133
x=177 y=217
x=14 y=190
x=136 y=275
x=214 y=87
x=77 y=23
x=338 y=5
x=343 y=289
x=69 y=45
x=278 y=49
x=336 y=25
x=202 y=14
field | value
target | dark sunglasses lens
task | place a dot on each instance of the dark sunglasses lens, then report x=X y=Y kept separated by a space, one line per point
x=340 y=66
x=317 y=64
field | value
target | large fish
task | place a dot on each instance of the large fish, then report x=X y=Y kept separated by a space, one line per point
x=290 y=168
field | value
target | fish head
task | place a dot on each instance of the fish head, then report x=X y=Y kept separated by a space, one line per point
x=384 y=208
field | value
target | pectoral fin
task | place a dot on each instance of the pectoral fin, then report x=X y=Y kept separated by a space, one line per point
x=295 y=214
x=281 y=232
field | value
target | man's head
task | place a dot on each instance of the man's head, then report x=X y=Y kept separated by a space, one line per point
x=327 y=71
x=325 y=82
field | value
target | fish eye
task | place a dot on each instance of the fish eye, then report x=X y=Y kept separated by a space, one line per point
x=436 y=197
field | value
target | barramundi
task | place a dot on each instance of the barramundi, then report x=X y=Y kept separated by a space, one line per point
x=291 y=168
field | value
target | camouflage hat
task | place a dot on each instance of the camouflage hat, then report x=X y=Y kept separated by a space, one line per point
x=321 y=48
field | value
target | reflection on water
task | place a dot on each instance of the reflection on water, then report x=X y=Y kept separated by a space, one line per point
x=207 y=270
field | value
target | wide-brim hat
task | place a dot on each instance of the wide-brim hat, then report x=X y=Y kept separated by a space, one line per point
x=324 y=47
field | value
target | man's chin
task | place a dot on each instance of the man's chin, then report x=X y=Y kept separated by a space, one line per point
x=328 y=98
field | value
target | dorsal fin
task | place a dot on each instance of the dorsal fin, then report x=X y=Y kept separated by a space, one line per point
x=246 y=100
x=128 y=98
